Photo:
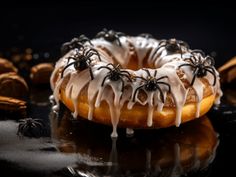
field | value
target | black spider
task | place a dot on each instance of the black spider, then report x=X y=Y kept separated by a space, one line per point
x=110 y=35
x=30 y=127
x=115 y=74
x=82 y=61
x=146 y=35
x=74 y=43
x=201 y=65
x=152 y=84
x=172 y=46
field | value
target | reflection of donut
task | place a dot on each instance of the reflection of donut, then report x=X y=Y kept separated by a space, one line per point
x=174 y=150
x=165 y=82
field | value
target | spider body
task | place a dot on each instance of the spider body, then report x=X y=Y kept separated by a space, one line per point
x=151 y=84
x=201 y=65
x=82 y=61
x=110 y=35
x=30 y=127
x=172 y=46
x=74 y=43
x=115 y=74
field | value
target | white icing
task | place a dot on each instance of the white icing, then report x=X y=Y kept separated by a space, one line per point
x=164 y=64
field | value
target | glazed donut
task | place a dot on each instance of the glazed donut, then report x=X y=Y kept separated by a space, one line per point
x=135 y=82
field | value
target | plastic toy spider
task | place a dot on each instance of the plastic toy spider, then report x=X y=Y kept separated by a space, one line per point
x=151 y=84
x=74 y=43
x=30 y=127
x=110 y=35
x=201 y=65
x=115 y=74
x=172 y=46
x=82 y=61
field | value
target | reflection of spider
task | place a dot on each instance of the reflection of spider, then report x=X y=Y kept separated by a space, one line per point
x=172 y=46
x=74 y=43
x=201 y=65
x=30 y=127
x=110 y=35
x=146 y=35
x=115 y=74
x=82 y=61
x=152 y=84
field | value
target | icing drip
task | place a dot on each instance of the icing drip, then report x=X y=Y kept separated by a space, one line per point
x=178 y=169
x=73 y=89
x=163 y=63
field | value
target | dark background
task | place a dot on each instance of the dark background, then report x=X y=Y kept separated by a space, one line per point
x=44 y=26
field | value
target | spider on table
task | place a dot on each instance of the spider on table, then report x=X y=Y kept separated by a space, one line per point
x=30 y=127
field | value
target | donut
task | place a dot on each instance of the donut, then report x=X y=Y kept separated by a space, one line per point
x=178 y=151
x=134 y=81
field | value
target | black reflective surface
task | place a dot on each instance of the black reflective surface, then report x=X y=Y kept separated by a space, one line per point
x=203 y=147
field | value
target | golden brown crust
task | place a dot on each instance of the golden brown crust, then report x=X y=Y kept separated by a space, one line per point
x=40 y=74
x=137 y=116
x=6 y=66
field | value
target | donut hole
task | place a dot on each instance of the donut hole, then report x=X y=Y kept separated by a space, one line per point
x=134 y=61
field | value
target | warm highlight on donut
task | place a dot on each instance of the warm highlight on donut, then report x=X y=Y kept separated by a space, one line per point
x=135 y=82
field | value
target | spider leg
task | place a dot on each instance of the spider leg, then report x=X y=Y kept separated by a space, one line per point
x=19 y=129
x=84 y=38
x=148 y=72
x=155 y=73
x=65 y=48
x=118 y=40
x=162 y=42
x=198 y=51
x=91 y=73
x=63 y=70
x=208 y=58
x=95 y=52
x=194 y=76
x=33 y=124
x=120 y=34
x=38 y=123
x=69 y=58
x=156 y=50
x=161 y=94
x=110 y=64
x=136 y=91
x=106 y=67
x=184 y=44
x=186 y=64
x=125 y=72
x=127 y=76
x=168 y=85
x=123 y=85
x=104 y=80
x=23 y=128
x=104 y=30
x=214 y=75
x=192 y=60
x=100 y=34
x=210 y=67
